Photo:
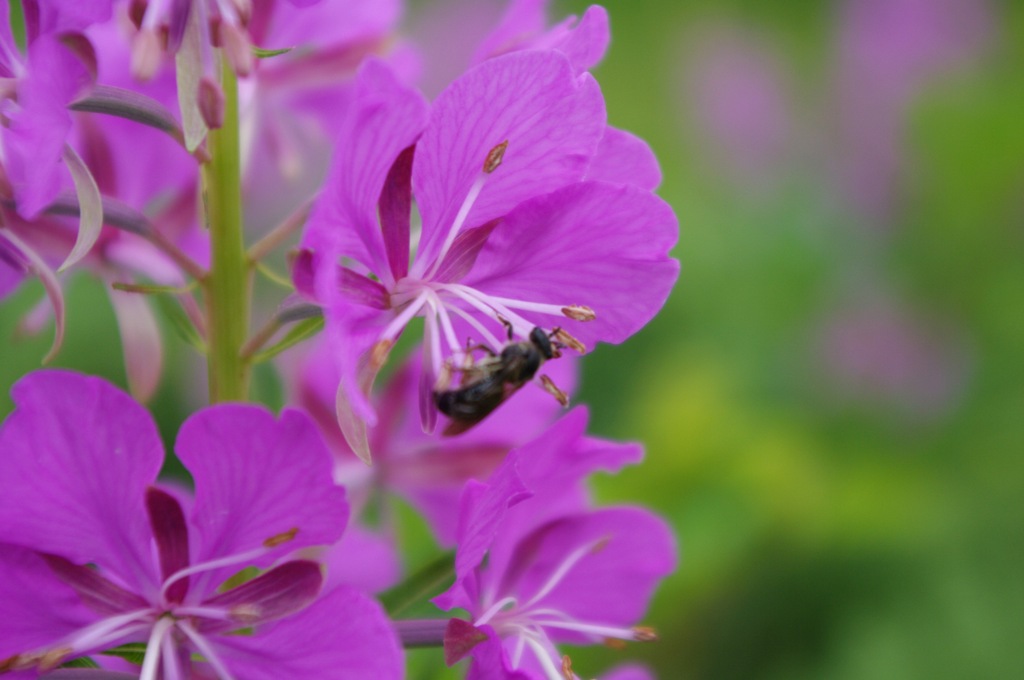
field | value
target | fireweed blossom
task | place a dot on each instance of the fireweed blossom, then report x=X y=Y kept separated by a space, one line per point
x=426 y=469
x=514 y=235
x=536 y=567
x=94 y=554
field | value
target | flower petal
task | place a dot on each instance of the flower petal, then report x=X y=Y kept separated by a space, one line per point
x=634 y=549
x=552 y=122
x=36 y=608
x=593 y=244
x=34 y=141
x=259 y=482
x=384 y=119
x=75 y=459
x=364 y=559
x=482 y=509
x=344 y=634
x=623 y=158
x=277 y=593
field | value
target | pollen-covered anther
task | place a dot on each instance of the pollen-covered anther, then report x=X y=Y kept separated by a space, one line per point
x=551 y=388
x=614 y=643
x=567 y=668
x=579 y=312
x=562 y=337
x=246 y=613
x=43 y=661
x=644 y=634
x=281 y=538
x=379 y=353
x=494 y=157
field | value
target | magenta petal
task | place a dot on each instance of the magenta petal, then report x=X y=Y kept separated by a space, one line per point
x=363 y=559
x=283 y=590
x=491 y=661
x=481 y=511
x=613 y=583
x=36 y=608
x=12 y=269
x=342 y=635
x=395 y=207
x=259 y=480
x=624 y=158
x=385 y=118
x=34 y=141
x=95 y=591
x=586 y=42
x=551 y=120
x=75 y=459
x=593 y=244
x=170 y=534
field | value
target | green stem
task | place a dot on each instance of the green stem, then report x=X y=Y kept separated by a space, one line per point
x=228 y=283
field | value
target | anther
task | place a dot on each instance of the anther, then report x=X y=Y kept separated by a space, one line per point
x=644 y=634
x=567 y=668
x=551 y=388
x=379 y=354
x=579 y=312
x=281 y=538
x=494 y=157
x=614 y=643
x=564 y=338
x=246 y=613
x=53 y=658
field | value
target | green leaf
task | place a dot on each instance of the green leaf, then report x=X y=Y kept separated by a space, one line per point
x=180 y=322
x=266 y=54
x=133 y=652
x=80 y=662
x=299 y=332
x=421 y=586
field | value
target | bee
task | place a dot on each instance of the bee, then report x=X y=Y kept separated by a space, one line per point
x=486 y=384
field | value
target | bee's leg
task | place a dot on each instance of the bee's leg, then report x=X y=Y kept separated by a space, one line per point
x=508 y=326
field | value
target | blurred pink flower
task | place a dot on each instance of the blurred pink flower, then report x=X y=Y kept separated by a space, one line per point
x=736 y=90
x=889 y=52
x=880 y=353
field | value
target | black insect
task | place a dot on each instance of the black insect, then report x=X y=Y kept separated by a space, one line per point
x=486 y=384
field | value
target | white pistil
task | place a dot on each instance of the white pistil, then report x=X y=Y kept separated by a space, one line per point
x=172 y=663
x=216 y=613
x=598 y=631
x=494 y=609
x=487 y=336
x=154 y=647
x=392 y=330
x=564 y=569
x=460 y=218
x=449 y=331
x=484 y=303
x=543 y=308
x=97 y=634
x=550 y=669
x=209 y=566
x=208 y=653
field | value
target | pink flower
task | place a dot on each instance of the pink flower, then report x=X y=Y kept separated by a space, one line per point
x=94 y=554
x=555 y=570
x=515 y=235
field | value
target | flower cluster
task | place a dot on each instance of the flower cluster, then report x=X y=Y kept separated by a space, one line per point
x=171 y=149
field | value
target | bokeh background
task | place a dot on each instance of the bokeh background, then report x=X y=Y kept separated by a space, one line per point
x=832 y=400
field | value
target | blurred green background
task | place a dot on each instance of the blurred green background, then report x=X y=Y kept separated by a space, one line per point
x=832 y=400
